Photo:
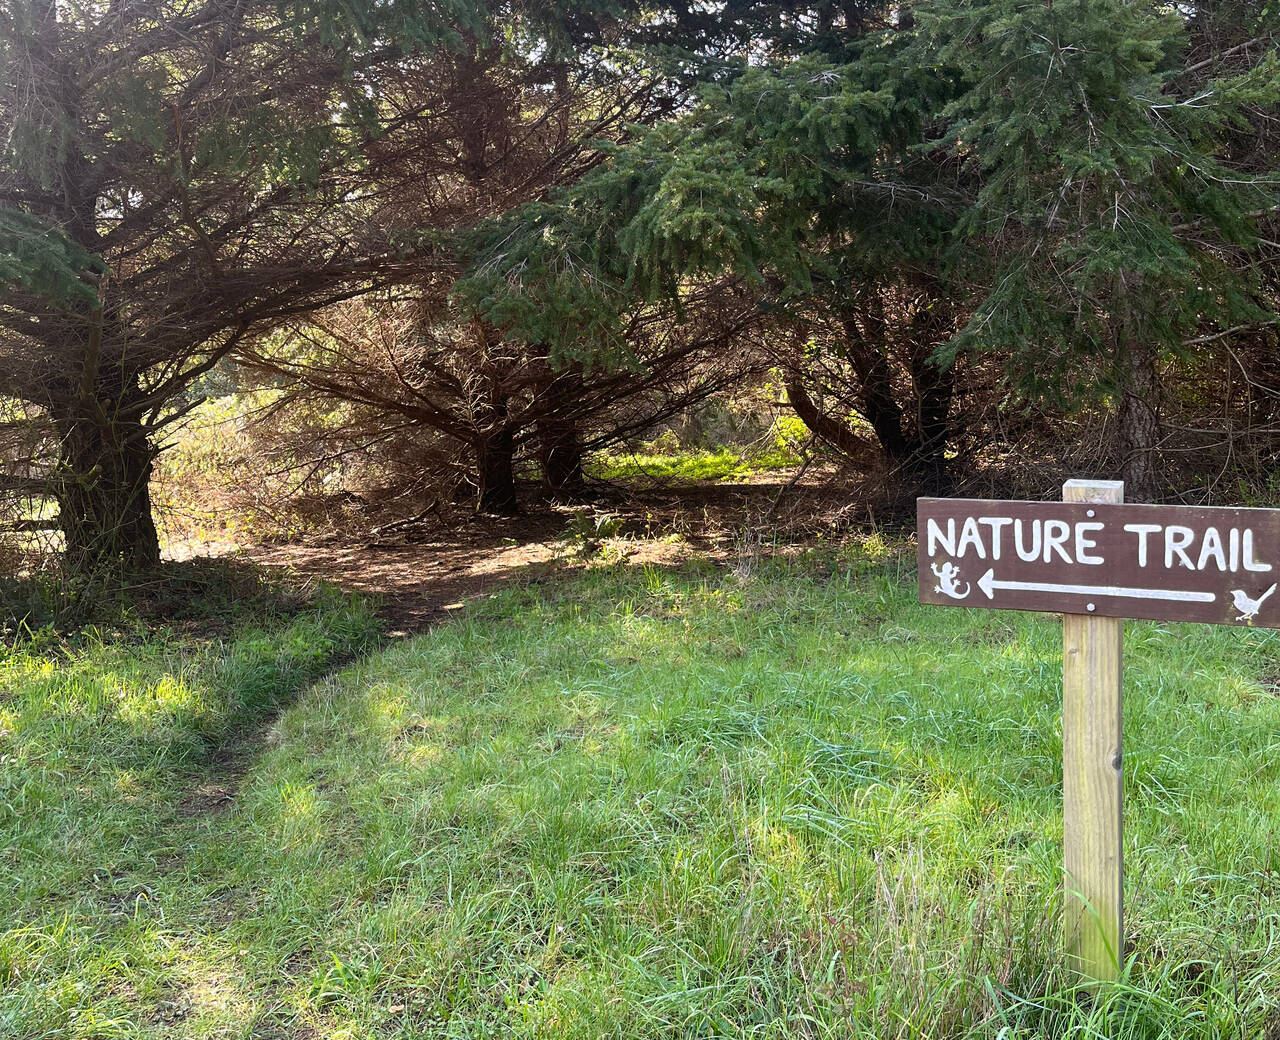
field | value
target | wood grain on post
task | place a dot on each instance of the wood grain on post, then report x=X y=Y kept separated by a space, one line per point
x=1093 y=922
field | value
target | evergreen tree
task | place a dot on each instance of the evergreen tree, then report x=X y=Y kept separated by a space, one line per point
x=522 y=107
x=175 y=177
x=1063 y=184
x=796 y=171
x=1116 y=210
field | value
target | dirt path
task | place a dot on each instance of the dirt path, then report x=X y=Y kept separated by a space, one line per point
x=417 y=583
x=423 y=573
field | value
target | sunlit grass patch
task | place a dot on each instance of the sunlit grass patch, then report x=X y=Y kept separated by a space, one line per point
x=105 y=748
x=724 y=463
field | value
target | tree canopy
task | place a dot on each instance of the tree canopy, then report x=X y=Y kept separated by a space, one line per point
x=1082 y=191
x=1069 y=179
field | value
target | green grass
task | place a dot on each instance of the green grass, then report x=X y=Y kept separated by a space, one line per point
x=702 y=464
x=111 y=744
x=650 y=803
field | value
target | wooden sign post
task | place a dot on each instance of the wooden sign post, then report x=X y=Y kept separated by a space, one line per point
x=1097 y=561
x=1093 y=853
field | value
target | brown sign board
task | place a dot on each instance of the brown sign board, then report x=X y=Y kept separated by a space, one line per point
x=1166 y=563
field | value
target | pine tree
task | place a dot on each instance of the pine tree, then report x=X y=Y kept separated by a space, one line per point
x=175 y=177
x=522 y=108
x=794 y=171
x=1064 y=185
x=1116 y=212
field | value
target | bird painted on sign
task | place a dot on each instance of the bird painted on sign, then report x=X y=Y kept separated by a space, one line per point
x=1248 y=606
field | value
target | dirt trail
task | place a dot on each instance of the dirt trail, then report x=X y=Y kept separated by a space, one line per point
x=423 y=573
x=417 y=583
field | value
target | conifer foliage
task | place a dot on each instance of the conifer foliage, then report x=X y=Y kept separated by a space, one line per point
x=174 y=177
x=1115 y=215
x=1063 y=185
x=511 y=121
x=1082 y=190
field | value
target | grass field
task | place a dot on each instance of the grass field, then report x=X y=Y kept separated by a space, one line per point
x=717 y=464
x=785 y=801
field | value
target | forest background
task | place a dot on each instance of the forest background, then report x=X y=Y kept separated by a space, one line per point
x=375 y=264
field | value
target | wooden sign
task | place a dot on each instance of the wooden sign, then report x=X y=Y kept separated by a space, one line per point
x=1096 y=561
x=1166 y=563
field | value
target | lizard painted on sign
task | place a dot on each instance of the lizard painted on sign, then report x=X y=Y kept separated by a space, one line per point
x=948 y=584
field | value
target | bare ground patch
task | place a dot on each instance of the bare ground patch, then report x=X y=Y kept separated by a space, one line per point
x=425 y=571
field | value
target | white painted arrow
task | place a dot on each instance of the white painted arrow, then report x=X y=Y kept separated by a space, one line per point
x=988 y=583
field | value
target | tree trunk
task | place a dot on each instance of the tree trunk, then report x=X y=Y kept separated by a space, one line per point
x=822 y=426
x=495 y=464
x=104 y=497
x=1138 y=420
x=935 y=388
x=878 y=403
x=560 y=455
